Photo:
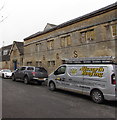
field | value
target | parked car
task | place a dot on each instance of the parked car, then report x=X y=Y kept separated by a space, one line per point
x=30 y=74
x=5 y=73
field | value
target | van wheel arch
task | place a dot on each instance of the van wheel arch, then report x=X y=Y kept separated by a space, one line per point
x=52 y=86
x=97 y=95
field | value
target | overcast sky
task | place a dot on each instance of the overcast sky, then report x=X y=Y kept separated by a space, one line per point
x=22 y=18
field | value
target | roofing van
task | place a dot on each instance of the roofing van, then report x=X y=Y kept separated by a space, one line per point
x=89 y=76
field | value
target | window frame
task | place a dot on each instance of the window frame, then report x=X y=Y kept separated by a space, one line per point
x=88 y=35
x=57 y=72
x=65 y=41
x=112 y=30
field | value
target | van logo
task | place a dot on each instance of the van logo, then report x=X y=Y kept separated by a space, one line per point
x=73 y=71
x=92 y=71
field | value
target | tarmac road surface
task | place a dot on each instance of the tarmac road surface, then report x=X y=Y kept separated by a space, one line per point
x=35 y=101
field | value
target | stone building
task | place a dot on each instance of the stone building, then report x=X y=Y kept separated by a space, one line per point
x=93 y=34
x=5 y=57
x=16 y=55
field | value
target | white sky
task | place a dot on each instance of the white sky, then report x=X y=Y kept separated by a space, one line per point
x=23 y=18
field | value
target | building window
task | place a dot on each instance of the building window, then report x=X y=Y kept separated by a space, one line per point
x=114 y=30
x=50 y=44
x=83 y=37
x=29 y=63
x=90 y=35
x=65 y=41
x=51 y=63
x=38 y=63
x=5 y=52
x=87 y=36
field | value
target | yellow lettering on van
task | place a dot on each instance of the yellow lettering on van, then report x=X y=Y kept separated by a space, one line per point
x=92 y=71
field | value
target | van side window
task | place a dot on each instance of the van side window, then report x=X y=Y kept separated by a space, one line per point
x=60 y=70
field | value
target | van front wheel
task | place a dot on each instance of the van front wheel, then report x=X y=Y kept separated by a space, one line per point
x=97 y=96
x=52 y=86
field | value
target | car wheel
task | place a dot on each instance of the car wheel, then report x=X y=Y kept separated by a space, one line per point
x=2 y=75
x=52 y=86
x=40 y=83
x=97 y=96
x=26 y=80
x=13 y=78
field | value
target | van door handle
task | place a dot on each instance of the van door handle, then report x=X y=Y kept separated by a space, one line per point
x=63 y=79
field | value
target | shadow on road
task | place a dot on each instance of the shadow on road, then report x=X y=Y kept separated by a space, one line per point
x=88 y=98
x=73 y=94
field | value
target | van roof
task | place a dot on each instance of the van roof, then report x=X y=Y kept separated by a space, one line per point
x=91 y=60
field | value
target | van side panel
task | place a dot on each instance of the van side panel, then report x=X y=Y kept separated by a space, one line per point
x=83 y=78
x=115 y=71
x=116 y=80
x=75 y=78
x=94 y=77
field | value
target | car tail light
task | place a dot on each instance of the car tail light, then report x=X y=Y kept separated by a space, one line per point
x=113 y=80
x=33 y=73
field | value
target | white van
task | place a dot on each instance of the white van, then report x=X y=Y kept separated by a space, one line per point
x=95 y=78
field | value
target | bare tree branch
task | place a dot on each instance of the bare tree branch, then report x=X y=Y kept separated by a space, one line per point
x=2 y=6
x=3 y=19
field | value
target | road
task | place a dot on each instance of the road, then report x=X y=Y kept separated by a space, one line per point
x=34 y=101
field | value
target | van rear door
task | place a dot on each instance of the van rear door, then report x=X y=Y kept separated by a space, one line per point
x=116 y=80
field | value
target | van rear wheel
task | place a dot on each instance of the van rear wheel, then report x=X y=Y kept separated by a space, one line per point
x=97 y=96
x=52 y=86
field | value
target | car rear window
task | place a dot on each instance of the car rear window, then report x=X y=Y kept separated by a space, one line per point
x=30 y=68
x=40 y=69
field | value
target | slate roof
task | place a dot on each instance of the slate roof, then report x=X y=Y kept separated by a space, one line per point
x=7 y=56
x=20 y=46
x=92 y=14
x=49 y=26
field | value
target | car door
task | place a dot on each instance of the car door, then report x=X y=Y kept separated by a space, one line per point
x=60 y=76
x=19 y=73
